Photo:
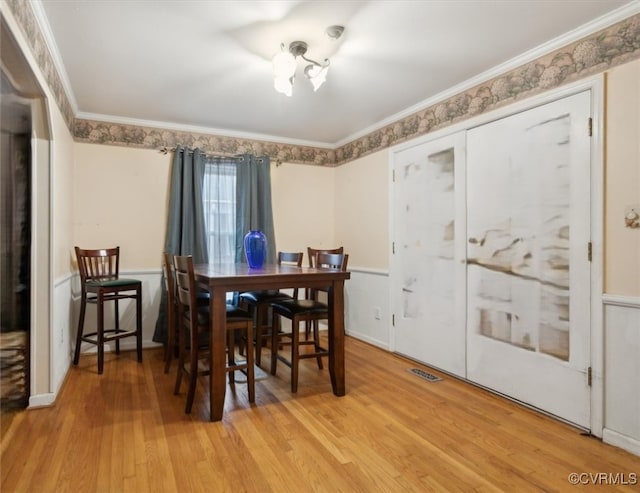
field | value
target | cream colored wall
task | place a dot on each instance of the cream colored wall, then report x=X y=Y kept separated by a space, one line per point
x=120 y=199
x=136 y=182
x=362 y=210
x=303 y=200
x=62 y=194
x=622 y=187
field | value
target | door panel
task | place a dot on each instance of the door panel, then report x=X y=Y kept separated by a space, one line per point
x=528 y=275
x=429 y=281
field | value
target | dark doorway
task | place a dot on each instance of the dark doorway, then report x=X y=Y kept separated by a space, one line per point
x=15 y=247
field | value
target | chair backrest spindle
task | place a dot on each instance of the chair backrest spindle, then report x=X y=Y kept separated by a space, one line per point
x=313 y=253
x=332 y=261
x=100 y=264
x=294 y=258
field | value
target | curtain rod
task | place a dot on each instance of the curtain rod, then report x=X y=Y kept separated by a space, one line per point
x=166 y=150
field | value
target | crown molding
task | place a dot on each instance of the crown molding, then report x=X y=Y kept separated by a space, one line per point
x=118 y=120
x=45 y=29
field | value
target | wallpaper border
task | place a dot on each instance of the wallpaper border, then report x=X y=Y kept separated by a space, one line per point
x=609 y=47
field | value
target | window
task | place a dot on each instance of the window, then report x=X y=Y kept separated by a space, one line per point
x=219 y=197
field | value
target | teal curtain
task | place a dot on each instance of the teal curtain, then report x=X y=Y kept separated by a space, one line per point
x=186 y=231
x=253 y=203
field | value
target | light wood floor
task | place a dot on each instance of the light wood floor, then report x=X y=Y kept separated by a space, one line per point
x=392 y=432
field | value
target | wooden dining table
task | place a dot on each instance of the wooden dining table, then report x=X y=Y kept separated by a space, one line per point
x=220 y=278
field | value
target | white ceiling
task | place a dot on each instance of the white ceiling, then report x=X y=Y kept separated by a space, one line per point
x=206 y=65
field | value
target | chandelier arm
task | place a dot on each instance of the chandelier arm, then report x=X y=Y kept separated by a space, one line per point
x=326 y=61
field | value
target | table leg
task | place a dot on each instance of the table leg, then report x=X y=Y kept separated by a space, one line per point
x=217 y=341
x=336 y=338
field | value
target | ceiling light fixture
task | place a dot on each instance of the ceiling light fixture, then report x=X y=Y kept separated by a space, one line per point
x=284 y=64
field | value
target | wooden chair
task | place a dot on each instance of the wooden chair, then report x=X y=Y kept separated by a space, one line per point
x=307 y=310
x=194 y=335
x=202 y=299
x=260 y=301
x=100 y=282
x=312 y=254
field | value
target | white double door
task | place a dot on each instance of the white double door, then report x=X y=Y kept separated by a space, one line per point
x=490 y=274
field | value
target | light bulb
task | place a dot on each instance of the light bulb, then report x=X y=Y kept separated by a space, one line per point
x=317 y=75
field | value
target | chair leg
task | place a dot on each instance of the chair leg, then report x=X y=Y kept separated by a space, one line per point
x=295 y=353
x=307 y=329
x=275 y=329
x=176 y=387
x=250 y=365
x=117 y=325
x=100 y=332
x=139 y=323
x=243 y=305
x=231 y=358
x=316 y=342
x=171 y=342
x=259 y=314
x=83 y=308
x=193 y=377
x=241 y=347
x=262 y=321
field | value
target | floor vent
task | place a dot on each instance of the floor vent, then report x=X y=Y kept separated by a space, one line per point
x=430 y=377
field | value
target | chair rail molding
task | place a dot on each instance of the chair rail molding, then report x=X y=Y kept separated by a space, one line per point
x=621 y=300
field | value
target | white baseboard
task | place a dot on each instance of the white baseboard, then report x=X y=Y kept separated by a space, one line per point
x=624 y=442
x=128 y=344
x=41 y=400
x=365 y=338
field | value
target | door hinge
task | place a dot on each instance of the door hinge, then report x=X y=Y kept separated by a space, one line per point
x=590 y=127
x=393 y=247
x=589 y=251
x=393 y=175
x=589 y=376
x=393 y=319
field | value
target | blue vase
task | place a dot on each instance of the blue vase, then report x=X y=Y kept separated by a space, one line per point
x=255 y=248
